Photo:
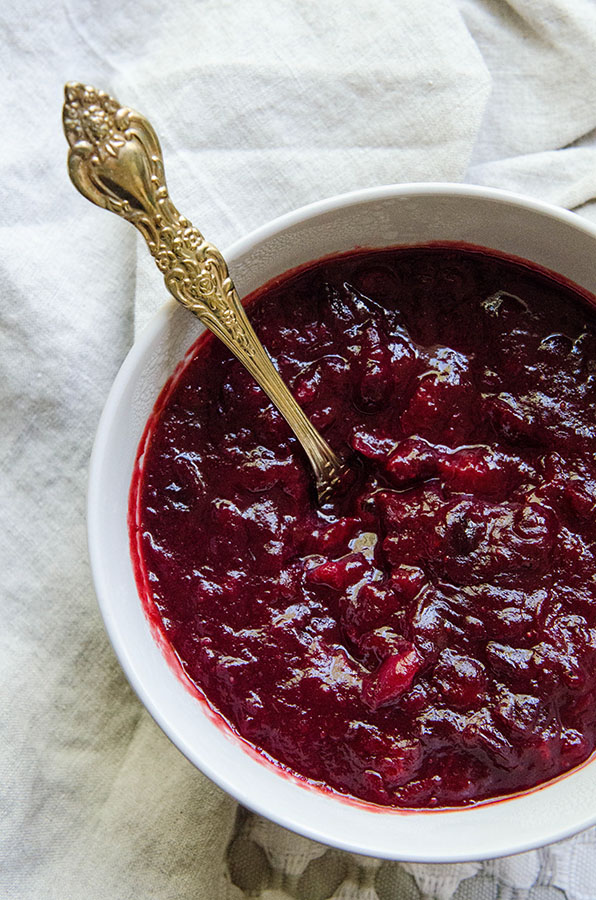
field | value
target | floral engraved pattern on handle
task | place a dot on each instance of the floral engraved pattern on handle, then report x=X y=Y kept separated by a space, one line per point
x=115 y=161
x=90 y=117
x=106 y=142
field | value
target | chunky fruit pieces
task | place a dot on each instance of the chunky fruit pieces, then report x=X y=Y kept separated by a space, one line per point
x=393 y=677
x=427 y=639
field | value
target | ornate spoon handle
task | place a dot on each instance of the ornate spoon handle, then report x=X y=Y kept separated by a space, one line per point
x=115 y=161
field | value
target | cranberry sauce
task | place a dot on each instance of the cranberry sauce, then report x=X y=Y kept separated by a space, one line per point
x=429 y=639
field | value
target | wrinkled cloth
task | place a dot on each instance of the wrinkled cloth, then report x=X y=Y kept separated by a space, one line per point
x=261 y=107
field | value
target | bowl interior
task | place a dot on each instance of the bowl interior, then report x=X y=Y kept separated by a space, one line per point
x=378 y=218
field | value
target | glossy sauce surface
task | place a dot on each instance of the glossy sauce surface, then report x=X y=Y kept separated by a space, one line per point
x=430 y=639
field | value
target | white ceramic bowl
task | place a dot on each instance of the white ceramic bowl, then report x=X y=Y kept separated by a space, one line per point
x=385 y=216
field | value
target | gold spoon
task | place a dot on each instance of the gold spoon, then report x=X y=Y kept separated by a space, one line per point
x=115 y=161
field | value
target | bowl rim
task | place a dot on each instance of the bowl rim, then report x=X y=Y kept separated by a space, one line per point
x=148 y=333
x=409 y=189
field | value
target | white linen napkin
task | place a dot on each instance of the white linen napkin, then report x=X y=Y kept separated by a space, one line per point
x=261 y=107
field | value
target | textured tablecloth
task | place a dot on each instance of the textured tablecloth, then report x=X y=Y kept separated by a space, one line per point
x=262 y=106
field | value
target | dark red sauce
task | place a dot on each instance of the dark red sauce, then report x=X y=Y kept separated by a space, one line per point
x=429 y=639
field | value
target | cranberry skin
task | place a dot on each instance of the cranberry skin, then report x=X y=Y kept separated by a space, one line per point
x=412 y=460
x=332 y=538
x=393 y=677
x=461 y=679
x=407 y=582
x=375 y=446
x=442 y=405
x=373 y=606
x=377 y=375
x=339 y=574
x=481 y=471
x=518 y=714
